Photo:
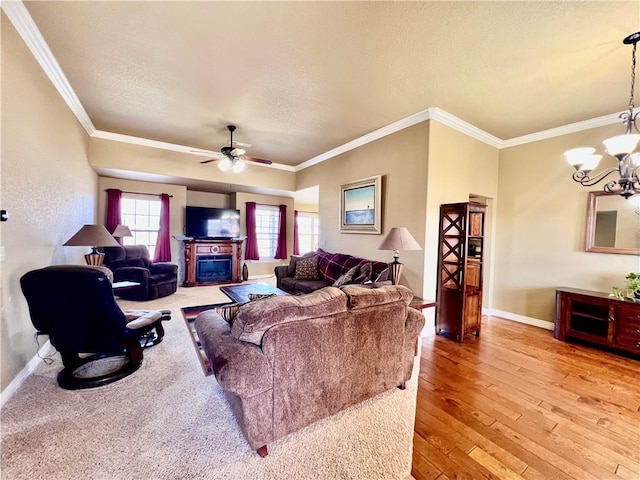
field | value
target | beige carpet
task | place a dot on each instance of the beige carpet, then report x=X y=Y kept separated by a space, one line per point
x=169 y=421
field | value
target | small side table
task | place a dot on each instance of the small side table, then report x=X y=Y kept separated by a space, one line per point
x=421 y=303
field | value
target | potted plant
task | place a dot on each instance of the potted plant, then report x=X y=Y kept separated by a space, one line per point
x=631 y=290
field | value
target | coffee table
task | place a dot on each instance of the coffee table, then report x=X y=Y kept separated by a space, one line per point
x=240 y=293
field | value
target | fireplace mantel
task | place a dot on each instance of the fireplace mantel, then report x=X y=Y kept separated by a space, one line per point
x=208 y=250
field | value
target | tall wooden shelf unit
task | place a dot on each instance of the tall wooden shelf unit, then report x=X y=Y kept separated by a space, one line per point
x=460 y=267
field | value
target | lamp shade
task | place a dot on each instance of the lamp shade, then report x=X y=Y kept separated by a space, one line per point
x=399 y=238
x=122 y=231
x=92 y=236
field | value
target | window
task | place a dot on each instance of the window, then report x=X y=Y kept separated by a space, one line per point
x=142 y=216
x=308 y=228
x=267 y=230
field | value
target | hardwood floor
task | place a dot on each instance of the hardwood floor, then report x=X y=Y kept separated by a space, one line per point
x=516 y=403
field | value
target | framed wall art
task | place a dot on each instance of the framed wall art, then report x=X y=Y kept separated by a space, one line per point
x=361 y=206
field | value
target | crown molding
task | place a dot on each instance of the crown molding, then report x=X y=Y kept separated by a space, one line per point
x=460 y=125
x=27 y=29
x=145 y=142
x=394 y=127
x=605 y=120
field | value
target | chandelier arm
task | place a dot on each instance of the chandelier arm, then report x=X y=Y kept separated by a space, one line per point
x=583 y=178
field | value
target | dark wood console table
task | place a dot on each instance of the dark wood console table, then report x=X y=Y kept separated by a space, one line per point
x=597 y=318
x=197 y=250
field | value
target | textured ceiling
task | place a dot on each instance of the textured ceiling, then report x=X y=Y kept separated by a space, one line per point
x=301 y=78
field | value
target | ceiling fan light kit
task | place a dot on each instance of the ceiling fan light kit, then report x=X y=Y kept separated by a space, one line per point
x=622 y=147
x=232 y=158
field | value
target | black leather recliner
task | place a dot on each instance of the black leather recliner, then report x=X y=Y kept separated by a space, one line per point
x=74 y=306
x=132 y=263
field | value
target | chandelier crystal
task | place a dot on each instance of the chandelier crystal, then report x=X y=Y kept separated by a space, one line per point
x=621 y=147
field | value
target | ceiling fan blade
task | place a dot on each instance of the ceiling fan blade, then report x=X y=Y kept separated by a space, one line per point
x=258 y=160
x=238 y=152
x=210 y=160
x=241 y=144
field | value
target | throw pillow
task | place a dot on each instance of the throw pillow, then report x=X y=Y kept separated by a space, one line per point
x=260 y=296
x=364 y=274
x=229 y=312
x=346 y=277
x=383 y=277
x=307 y=268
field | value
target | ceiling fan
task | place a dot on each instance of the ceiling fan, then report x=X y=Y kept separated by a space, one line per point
x=234 y=158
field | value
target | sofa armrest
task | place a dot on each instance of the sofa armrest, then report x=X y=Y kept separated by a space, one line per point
x=131 y=274
x=163 y=267
x=281 y=272
x=239 y=367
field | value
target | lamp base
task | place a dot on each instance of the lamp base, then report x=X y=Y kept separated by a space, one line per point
x=395 y=268
x=94 y=258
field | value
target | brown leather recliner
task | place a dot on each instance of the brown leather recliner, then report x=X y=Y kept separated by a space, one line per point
x=132 y=263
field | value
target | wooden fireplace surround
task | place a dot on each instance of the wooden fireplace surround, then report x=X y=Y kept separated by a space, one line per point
x=195 y=248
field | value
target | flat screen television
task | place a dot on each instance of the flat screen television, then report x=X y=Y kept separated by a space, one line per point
x=206 y=222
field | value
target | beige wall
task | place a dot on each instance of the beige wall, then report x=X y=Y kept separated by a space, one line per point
x=239 y=201
x=178 y=168
x=541 y=228
x=207 y=199
x=177 y=203
x=401 y=158
x=459 y=167
x=48 y=189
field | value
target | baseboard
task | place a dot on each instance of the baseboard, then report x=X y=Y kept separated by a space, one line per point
x=536 y=322
x=8 y=392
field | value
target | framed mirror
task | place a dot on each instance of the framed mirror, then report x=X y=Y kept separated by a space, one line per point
x=613 y=224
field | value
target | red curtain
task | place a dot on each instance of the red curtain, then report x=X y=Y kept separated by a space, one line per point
x=281 y=249
x=296 y=245
x=251 y=250
x=113 y=217
x=163 y=246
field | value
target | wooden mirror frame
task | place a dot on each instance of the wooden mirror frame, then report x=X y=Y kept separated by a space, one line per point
x=591 y=229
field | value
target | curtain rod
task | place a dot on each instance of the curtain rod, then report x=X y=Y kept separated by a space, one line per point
x=140 y=193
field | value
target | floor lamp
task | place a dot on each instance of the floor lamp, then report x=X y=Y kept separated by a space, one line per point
x=398 y=238
x=93 y=236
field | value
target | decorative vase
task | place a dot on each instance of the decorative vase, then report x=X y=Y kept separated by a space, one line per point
x=245 y=272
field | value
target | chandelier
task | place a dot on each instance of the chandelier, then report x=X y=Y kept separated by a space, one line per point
x=621 y=147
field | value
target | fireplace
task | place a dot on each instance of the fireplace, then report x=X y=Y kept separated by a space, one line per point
x=213 y=268
x=210 y=262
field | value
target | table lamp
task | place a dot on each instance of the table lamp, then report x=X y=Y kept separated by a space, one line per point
x=398 y=238
x=121 y=231
x=93 y=236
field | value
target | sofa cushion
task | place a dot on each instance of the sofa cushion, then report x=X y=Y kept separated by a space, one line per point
x=360 y=297
x=308 y=286
x=255 y=318
x=307 y=268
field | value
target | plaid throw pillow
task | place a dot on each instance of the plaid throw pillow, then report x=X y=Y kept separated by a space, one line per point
x=307 y=269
